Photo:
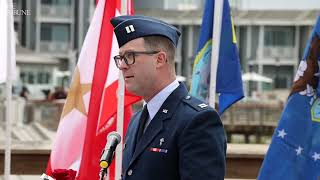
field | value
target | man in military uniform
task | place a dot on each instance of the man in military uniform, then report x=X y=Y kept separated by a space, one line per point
x=175 y=136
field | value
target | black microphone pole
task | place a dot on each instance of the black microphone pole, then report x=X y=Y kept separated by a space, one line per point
x=104 y=167
x=108 y=152
x=103 y=173
x=103 y=170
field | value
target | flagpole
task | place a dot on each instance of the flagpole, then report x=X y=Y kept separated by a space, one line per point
x=7 y=161
x=216 y=33
x=120 y=109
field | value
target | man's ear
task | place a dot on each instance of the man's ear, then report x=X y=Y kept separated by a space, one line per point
x=162 y=58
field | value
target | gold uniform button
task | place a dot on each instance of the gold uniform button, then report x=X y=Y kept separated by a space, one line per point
x=130 y=172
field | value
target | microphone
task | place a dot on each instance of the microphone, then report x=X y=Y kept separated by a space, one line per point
x=107 y=155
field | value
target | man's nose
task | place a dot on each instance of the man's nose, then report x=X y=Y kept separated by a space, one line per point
x=123 y=65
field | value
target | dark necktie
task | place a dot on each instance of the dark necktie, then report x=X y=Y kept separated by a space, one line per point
x=143 y=119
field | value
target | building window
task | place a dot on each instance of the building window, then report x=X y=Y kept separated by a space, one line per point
x=279 y=42
x=281 y=82
x=55 y=32
x=23 y=77
x=56 y=2
x=279 y=36
x=46 y=1
x=31 y=77
x=46 y=33
x=35 y=77
x=43 y=77
x=55 y=38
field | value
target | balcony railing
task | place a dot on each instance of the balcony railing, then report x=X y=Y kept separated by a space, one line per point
x=259 y=119
x=286 y=52
x=54 y=46
x=56 y=11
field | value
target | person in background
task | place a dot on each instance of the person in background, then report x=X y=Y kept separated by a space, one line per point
x=24 y=93
x=59 y=93
x=175 y=136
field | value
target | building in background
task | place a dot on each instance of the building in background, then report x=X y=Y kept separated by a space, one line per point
x=52 y=29
x=271 y=35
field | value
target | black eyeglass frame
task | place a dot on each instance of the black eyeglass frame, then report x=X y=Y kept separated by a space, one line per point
x=119 y=57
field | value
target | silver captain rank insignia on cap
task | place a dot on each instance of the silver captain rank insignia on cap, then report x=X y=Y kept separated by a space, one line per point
x=161 y=141
x=203 y=105
x=129 y=29
x=165 y=111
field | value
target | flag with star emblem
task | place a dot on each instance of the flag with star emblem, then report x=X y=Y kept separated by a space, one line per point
x=294 y=152
x=89 y=113
x=229 y=81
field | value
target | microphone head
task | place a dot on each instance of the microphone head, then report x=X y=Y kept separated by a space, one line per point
x=113 y=139
x=114 y=134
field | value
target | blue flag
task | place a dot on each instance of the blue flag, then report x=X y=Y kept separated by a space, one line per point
x=294 y=152
x=229 y=82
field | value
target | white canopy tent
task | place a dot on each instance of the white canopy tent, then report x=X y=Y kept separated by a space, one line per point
x=252 y=76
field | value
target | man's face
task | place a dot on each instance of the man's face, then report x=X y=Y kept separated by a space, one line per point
x=140 y=76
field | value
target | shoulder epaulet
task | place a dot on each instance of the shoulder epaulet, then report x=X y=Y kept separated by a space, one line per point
x=195 y=103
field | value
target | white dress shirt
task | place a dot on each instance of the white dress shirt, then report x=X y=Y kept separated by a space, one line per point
x=156 y=102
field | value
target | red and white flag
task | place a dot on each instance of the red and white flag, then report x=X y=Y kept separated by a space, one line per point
x=89 y=113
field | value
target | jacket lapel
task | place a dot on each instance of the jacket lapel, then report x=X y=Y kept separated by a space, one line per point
x=130 y=141
x=153 y=129
x=156 y=124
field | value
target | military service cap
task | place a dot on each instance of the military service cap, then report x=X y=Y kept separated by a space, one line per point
x=128 y=28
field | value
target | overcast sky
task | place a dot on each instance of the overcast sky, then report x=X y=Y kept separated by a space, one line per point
x=277 y=4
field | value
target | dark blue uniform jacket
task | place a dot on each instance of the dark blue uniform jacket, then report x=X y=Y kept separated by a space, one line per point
x=184 y=141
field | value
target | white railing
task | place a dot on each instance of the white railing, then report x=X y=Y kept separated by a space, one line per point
x=56 y=11
x=17 y=109
x=279 y=52
x=54 y=46
x=24 y=112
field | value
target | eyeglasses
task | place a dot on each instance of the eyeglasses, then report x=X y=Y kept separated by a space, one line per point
x=129 y=57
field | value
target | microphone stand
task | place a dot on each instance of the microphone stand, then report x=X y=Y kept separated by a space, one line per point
x=103 y=173
x=108 y=153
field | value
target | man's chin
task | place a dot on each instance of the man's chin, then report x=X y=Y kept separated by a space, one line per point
x=131 y=90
